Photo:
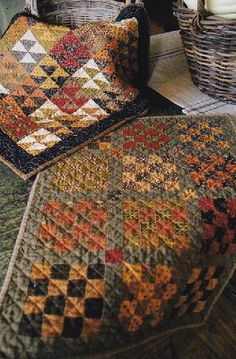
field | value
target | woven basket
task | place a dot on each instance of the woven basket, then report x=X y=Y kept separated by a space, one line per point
x=210 y=47
x=76 y=12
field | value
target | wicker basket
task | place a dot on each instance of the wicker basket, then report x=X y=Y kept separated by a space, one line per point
x=76 y=12
x=210 y=47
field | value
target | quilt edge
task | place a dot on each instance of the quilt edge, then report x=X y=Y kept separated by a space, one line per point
x=26 y=176
x=17 y=246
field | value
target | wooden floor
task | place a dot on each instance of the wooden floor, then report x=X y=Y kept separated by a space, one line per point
x=215 y=340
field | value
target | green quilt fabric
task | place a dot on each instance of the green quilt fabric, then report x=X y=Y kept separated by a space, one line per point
x=14 y=193
x=128 y=239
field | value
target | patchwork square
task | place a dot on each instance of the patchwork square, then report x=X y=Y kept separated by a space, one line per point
x=65 y=228
x=62 y=302
x=219 y=225
x=70 y=52
x=156 y=224
x=212 y=172
x=66 y=90
x=141 y=136
x=198 y=289
x=145 y=296
x=149 y=173
x=94 y=170
x=199 y=135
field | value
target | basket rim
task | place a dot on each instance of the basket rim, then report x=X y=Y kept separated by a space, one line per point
x=180 y=5
x=32 y=5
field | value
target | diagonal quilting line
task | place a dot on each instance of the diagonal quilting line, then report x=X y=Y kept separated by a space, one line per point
x=35 y=303
x=107 y=303
x=92 y=284
x=129 y=266
x=16 y=303
x=69 y=230
x=21 y=341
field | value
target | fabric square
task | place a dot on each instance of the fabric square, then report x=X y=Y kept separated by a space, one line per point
x=60 y=297
x=38 y=287
x=78 y=271
x=52 y=326
x=76 y=288
x=60 y=271
x=34 y=304
x=49 y=76
x=93 y=308
x=94 y=288
x=40 y=271
x=30 y=325
x=194 y=298
x=65 y=92
x=74 y=307
x=57 y=287
x=69 y=52
x=91 y=327
x=28 y=51
x=55 y=305
x=72 y=327
x=96 y=271
x=17 y=71
x=145 y=296
x=114 y=256
x=201 y=134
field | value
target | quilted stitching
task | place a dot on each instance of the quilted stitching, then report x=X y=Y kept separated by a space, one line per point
x=102 y=264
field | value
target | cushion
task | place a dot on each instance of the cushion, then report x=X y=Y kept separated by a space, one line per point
x=61 y=88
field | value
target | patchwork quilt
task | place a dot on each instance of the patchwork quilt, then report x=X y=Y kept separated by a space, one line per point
x=130 y=238
x=60 y=88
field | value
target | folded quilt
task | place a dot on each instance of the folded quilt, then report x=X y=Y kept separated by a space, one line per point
x=128 y=239
x=61 y=88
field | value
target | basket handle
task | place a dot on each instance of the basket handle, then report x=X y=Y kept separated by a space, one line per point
x=201 y=6
x=196 y=22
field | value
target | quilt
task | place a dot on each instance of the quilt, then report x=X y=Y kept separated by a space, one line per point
x=129 y=239
x=61 y=88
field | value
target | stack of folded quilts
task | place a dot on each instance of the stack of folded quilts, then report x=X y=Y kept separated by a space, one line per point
x=131 y=236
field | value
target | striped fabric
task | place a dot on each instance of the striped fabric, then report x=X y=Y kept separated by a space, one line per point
x=171 y=78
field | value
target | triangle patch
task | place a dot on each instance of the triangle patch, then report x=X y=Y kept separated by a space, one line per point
x=28 y=59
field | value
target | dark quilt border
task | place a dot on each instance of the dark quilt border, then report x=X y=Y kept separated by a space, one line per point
x=26 y=165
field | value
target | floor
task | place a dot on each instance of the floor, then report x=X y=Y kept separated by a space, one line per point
x=215 y=340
